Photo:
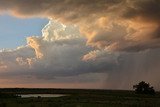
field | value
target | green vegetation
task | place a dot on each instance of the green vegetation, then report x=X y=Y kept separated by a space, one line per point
x=79 y=98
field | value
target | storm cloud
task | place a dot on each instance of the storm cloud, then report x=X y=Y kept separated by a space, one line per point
x=102 y=41
x=137 y=21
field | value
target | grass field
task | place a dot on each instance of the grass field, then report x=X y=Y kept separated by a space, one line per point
x=79 y=98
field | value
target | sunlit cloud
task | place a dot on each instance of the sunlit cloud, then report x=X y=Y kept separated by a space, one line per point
x=102 y=41
x=127 y=23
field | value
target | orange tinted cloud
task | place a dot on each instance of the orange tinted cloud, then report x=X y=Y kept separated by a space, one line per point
x=98 y=19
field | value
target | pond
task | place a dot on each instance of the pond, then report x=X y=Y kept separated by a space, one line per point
x=40 y=95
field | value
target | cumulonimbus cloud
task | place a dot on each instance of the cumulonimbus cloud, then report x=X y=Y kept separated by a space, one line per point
x=61 y=54
x=97 y=37
x=54 y=56
x=121 y=25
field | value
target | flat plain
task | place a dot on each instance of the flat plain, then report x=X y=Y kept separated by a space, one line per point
x=77 y=98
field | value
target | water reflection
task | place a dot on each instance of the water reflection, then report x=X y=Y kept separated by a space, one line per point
x=40 y=95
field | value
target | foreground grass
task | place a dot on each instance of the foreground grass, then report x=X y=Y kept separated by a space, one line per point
x=81 y=98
